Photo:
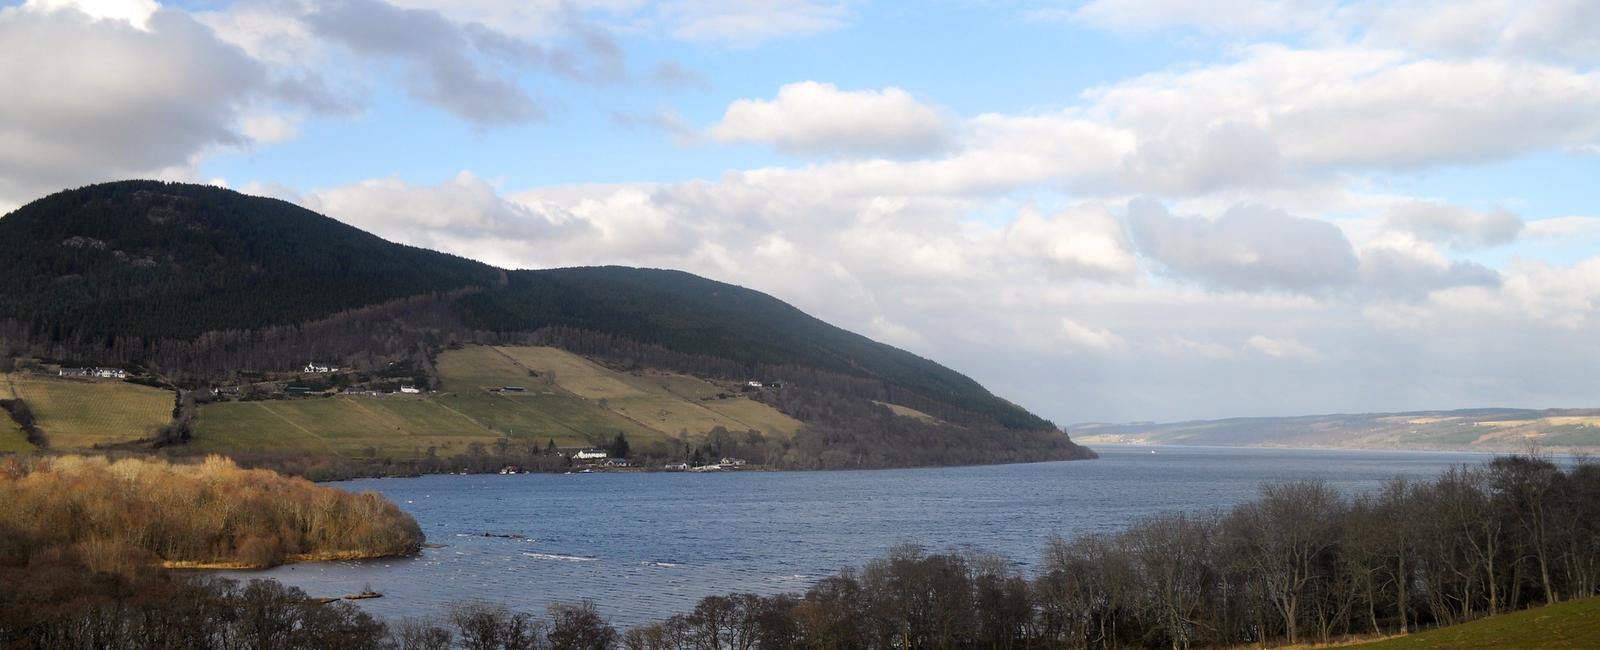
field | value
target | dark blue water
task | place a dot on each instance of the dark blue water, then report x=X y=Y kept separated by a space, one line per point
x=646 y=546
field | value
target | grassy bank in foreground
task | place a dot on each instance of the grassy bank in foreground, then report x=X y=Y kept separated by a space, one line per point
x=141 y=511
x=1574 y=624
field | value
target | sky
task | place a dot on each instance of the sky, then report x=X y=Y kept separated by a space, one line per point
x=1103 y=210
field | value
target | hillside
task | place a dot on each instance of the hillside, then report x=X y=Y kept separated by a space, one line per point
x=1487 y=430
x=197 y=287
x=1573 y=624
x=572 y=402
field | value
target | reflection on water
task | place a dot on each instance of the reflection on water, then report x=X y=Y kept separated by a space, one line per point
x=646 y=546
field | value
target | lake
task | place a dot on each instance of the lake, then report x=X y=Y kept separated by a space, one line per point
x=648 y=545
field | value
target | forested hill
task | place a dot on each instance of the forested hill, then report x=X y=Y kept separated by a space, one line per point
x=163 y=260
x=194 y=279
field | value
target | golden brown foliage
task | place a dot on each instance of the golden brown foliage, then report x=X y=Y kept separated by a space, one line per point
x=211 y=513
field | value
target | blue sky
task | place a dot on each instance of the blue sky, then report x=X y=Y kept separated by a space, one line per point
x=1102 y=209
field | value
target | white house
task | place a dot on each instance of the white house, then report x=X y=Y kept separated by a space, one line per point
x=589 y=454
x=317 y=368
x=732 y=462
x=754 y=384
x=102 y=373
x=410 y=390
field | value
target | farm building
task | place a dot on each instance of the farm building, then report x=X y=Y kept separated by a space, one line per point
x=102 y=373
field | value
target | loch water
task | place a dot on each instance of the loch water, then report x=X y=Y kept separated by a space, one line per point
x=645 y=546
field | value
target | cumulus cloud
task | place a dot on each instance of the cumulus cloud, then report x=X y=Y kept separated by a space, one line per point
x=1400 y=264
x=1291 y=111
x=1454 y=225
x=1248 y=248
x=812 y=117
x=1083 y=241
x=91 y=99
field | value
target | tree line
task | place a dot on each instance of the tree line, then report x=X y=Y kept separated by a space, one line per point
x=1302 y=562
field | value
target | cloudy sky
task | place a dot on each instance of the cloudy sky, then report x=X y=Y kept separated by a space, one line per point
x=1104 y=210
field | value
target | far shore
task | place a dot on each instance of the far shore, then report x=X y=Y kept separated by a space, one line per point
x=1560 y=451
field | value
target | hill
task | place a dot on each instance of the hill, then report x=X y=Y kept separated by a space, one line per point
x=1490 y=430
x=1573 y=624
x=196 y=287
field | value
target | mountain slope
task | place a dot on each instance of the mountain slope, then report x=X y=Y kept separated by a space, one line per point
x=694 y=315
x=200 y=283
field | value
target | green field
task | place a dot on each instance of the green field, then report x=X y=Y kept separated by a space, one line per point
x=12 y=439
x=566 y=398
x=668 y=403
x=1574 y=624
x=82 y=413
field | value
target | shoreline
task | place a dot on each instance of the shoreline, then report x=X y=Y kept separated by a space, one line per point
x=303 y=558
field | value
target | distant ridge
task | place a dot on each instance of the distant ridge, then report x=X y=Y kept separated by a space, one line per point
x=1478 y=429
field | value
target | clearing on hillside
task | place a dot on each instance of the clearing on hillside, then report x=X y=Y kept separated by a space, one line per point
x=907 y=412
x=665 y=402
x=1573 y=624
x=83 y=413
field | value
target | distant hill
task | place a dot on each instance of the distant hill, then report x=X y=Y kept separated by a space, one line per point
x=1489 y=429
x=199 y=284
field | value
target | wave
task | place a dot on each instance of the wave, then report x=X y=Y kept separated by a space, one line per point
x=563 y=558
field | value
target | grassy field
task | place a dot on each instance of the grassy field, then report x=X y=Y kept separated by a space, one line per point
x=78 y=414
x=566 y=398
x=12 y=439
x=665 y=402
x=1574 y=624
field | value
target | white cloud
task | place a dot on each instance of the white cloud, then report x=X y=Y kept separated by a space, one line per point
x=267 y=128
x=1077 y=335
x=91 y=100
x=1228 y=16
x=1285 y=347
x=1289 y=112
x=748 y=22
x=134 y=12
x=1454 y=225
x=1564 y=227
x=1248 y=247
x=811 y=117
x=1082 y=241
x=1552 y=30
x=1398 y=263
